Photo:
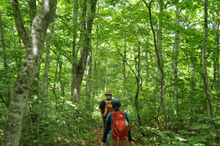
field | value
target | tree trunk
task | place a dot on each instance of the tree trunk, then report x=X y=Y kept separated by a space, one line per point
x=74 y=57
x=45 y=82
x=32 y=9
x=19 y=24
x=20 y=53
x=205 y=76
x=175 y=58
x=60 y=79
x=80 y=67
x=5 y=62
x=124 y=67
x=193 y=91
x=89 y=75
x=95 y=60
x=106 y=76
x=216 y=60
x=138 y=85
x=22 y=86
x=146 y=63
x=159 y=55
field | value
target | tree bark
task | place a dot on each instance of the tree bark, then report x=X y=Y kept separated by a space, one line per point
x=205 y=76
x=175 y=58
x=19 y=24
x=95 y=60
x=146 y=63
x=138 y=85
x=216 y=59
x=89 y=75
x=80 y=67
x=45 y=82
x=74 y=57
x=124 y=67
x=159 y=59
x=32 y=9
x=5 y=62
x=22 y=86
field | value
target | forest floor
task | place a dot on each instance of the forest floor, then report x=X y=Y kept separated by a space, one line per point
x=98 y=133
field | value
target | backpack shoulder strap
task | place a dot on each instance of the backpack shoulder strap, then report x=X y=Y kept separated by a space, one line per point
x=113 y=116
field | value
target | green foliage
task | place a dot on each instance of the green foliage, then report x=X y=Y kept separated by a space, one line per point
x=65 y=123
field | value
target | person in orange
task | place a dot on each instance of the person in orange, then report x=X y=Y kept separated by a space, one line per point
x=108 y=95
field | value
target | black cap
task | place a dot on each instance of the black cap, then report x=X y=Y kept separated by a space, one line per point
x=116 y=102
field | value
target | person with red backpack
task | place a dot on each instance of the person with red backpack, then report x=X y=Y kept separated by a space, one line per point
x=117 y=122
x=106 y=107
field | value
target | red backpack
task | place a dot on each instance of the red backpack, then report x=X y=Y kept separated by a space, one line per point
x=120 y=126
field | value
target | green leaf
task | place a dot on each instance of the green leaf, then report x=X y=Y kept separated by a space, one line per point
x=81 y=132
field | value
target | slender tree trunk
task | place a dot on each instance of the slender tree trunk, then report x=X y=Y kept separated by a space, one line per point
x=89 y=75
x=124 y=67
x=74 y=56
x=106 y=76
x=19 y=23
x=32 y=9
x=175 y=59
x=216 y=60
x=159 y=55
x=95 y=60
x=80 y=67
x=22 y=86
x=60 y=79
x=193 y=89
x=138 y=85
x=45 y=82
x=146 y=62
x=55 y=79
x=20 y=53
x=5 y=62
x=205 y=76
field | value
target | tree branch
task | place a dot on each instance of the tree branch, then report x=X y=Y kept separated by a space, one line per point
x=192 y=61
x=3 y=101
x=64 y=54
x=128 y=64
x=18 y=22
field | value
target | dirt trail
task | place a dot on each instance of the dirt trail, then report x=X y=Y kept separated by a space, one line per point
x=98 y=133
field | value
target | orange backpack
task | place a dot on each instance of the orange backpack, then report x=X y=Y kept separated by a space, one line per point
x=108 y=107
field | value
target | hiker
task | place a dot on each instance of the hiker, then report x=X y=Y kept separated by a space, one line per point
x=105 y=107
x=118 y=124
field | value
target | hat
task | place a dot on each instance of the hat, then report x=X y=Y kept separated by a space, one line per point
x=108 y=92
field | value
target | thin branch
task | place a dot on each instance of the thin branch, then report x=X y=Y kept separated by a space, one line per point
x=134 y=34
x=192 y=61
x=54 y=91
x=196 y=68
x=146 y=3
x=18 y=22
x=64 y=54
x=128 y=64
x=3 y=101
x=149 y=3
x=138 y=44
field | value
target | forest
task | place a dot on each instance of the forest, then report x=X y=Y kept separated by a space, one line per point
x=160 y=57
